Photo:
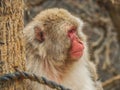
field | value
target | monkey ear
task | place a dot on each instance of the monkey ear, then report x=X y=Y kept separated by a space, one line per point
x=37 y=29
x=39 y=35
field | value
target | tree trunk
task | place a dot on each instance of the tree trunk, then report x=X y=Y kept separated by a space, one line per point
x=12 y=52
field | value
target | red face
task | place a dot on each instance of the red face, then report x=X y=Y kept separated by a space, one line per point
x=77 y=46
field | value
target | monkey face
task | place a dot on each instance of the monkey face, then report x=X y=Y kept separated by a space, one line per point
x=56 y=35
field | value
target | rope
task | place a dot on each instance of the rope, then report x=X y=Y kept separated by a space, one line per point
x=24 y=75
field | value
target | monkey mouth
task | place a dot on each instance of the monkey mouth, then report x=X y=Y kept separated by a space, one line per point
x=76 y=54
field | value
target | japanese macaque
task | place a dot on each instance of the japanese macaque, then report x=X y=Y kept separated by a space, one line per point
x=56 y=48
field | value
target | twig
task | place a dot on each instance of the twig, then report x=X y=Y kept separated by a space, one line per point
x=111 y=80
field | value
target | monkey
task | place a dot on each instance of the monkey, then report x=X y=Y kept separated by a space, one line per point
x=56 y=48
x=94 y=75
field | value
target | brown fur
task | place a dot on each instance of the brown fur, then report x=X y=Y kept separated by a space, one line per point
x=51 y=57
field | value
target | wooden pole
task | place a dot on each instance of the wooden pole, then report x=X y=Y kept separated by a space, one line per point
x=12 y=51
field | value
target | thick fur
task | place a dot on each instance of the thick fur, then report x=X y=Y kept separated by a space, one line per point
x=50 y=58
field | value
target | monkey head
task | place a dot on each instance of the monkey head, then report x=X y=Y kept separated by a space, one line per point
x=56 y=35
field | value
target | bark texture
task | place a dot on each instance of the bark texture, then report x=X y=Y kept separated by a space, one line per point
x=12 y=52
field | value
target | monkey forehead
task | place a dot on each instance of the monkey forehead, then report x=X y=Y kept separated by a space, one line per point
x=55 y=16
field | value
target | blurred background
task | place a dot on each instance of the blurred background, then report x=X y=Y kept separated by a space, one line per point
x=102 y=26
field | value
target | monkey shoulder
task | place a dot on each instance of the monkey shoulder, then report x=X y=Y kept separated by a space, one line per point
x=94 y=75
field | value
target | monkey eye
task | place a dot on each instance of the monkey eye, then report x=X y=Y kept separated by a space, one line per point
x=72 y=31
